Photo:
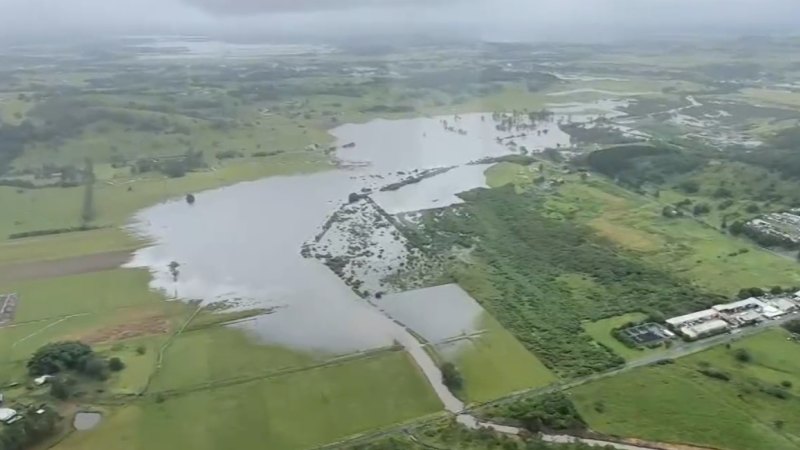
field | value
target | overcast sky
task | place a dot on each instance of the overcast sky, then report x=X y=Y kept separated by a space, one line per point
x=529 y=18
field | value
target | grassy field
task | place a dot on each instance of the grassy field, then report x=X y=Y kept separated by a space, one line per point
x=217 y=353
x=496 y=364
x=676 y=403
x=600 y=331
x=94 y=293
x=293 y=412
x=687 y=248
x=116 y=201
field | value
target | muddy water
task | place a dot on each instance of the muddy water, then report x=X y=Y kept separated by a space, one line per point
x=241 y=244
x=86 y=420
x=435 y=192
x=424 y=143
x=436 y=313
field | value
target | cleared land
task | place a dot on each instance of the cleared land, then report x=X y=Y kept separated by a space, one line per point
x=13 y=273
x=677 y=403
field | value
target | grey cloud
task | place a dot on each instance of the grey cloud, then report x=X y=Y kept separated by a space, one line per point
x=528 y=19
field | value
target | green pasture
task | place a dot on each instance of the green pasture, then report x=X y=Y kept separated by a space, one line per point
x=296 y=411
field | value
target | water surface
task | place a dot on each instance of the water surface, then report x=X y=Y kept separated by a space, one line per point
x=86 y=420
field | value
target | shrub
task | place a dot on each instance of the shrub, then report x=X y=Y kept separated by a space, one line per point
x=742 y=355
x=713 y=373
x=451 y=377
x=786 y=383
x=59 y=388
x=141 y=350
x=115 y=364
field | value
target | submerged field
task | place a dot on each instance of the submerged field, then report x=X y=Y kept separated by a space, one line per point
x=754 y=407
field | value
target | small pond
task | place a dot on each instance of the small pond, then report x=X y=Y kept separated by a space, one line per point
x=86 y=420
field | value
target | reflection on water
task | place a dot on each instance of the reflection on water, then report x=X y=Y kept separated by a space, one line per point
x=435 y=192
x=424 y=143
x=436 y=313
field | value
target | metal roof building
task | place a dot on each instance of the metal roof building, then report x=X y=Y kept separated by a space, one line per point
x=710 y=327
x=706 y=314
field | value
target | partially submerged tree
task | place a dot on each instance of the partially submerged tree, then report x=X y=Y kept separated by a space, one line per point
x=173 y=270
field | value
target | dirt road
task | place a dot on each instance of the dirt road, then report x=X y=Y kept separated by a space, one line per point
x=61 y=267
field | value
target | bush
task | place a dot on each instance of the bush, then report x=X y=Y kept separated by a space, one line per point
x=786 y=383
x=690 y=186
x=700 y=209
x=713 y=373
x=752 y=208
x=115 y=364
x=96 y=368
x=451 y=377
x=548 y=412
x=141 y=350
x=59 y=388
x=742 y=355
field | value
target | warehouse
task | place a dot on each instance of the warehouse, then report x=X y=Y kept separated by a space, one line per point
x=708 y=328
x=693 y=318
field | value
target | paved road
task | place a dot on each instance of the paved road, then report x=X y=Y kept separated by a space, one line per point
x=677 y=351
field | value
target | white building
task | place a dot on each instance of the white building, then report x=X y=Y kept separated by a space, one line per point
x=784 y=304
x=698 y=316
x=741 y=305
x=708 y=328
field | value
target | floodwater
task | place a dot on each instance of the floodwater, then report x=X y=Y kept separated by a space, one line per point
x=241 y=244
x=86 y=420
x=423 y=143
x=436 y=313
x=434 y=192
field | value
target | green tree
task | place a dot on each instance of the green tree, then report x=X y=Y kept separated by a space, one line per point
x=451 y=377
x=55 y=357
x=115 y=364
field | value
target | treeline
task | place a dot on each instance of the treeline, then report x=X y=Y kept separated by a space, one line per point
x=580 y=133
x=779 y=154
x=549 y=412
x=172 y=166
x=637 y=164
x=523 y=256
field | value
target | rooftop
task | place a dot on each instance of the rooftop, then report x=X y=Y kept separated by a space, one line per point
x=693 y=317
x=751 y=302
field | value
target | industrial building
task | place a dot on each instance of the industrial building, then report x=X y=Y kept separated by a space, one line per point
x=720 y=318
x=693 y=318
x=703 y=329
